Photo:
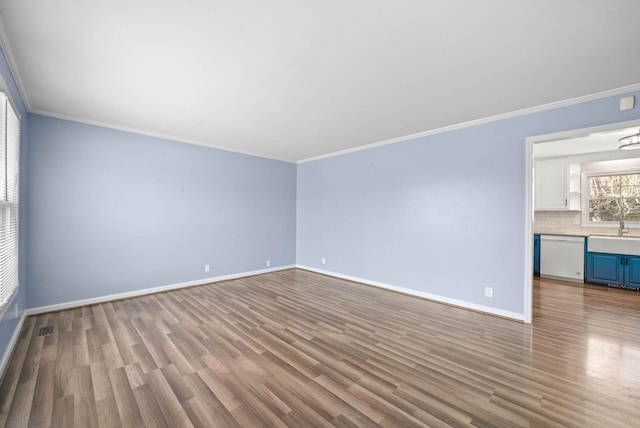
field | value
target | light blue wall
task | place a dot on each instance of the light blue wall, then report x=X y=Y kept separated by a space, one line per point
x=113 y=212
x=9 y=322
x=442 y=214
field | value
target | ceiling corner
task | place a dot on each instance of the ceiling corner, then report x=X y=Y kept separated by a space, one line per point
x=5 y=45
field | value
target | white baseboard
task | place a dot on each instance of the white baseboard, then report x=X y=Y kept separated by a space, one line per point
x=136 y=293
x=119 y=296
x=434 y=297
x=12 y=344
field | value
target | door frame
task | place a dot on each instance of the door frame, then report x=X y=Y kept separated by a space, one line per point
x=529 y=208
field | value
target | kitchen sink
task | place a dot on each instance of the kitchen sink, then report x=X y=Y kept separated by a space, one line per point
x=614 y=244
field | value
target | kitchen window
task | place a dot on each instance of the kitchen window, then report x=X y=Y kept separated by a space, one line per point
x=613 y=198
x=9 y=174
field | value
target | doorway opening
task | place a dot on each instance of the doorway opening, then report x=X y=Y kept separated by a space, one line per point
x=592 y=147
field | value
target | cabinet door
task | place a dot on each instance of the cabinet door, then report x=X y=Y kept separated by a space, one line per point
x=605 y=268
x=551 y=184
x=632 y=271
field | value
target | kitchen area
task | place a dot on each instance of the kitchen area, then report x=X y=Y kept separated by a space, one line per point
x=586 y=202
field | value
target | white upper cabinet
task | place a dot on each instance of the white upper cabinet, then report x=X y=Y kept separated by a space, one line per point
x=557 y=185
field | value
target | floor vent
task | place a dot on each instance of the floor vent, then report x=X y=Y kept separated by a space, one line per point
x=45 y=331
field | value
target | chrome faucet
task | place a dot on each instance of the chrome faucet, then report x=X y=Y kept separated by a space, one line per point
x=621 y=229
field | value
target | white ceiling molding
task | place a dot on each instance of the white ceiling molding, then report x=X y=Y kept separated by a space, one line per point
x=8 y=53
x=523 y=112
x=149 y=133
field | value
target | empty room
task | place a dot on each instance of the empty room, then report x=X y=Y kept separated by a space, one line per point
x=319 y=213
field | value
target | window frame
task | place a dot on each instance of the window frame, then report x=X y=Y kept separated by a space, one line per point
x=586 y=197
x=9 y=204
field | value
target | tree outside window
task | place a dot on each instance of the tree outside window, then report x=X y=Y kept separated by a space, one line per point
x=614 y=198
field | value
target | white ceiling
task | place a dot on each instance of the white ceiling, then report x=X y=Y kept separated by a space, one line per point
x=294 y=79
x=590 y=143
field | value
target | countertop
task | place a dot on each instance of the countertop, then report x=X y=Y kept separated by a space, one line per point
x=582 y=235
x=562 y=234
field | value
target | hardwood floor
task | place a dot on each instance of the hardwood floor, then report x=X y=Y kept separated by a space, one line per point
x=298 y=349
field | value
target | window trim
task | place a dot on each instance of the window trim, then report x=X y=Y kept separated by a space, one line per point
x=586 y=197
x=10 y=114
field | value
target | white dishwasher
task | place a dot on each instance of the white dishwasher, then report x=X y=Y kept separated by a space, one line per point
x=562 y=257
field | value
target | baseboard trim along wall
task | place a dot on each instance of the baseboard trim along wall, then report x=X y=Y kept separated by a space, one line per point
x=441 y=299
x=12 y=344
x=136 y=293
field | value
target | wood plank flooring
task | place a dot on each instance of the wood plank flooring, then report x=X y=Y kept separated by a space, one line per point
x=298 y=349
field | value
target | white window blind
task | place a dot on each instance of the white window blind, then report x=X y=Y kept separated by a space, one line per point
x=9 y=191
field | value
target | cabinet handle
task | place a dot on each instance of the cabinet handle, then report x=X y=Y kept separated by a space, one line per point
x=565 y=202
x=626 y=261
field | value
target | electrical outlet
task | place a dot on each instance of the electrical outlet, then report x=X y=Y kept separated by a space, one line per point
x=488 y=292
x=324 y=261
x=206 y=268
x=268 y=263
x=575 y=221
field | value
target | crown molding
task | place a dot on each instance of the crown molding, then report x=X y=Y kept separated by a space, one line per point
x=147 y=133
x=530 y=110
x=13 y=65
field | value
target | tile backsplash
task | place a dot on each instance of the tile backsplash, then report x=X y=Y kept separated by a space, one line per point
x=570 y=223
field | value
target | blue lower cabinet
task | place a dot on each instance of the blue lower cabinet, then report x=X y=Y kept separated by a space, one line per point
x=536 y=255
x=605 y=268
x=632 y=271
x=614 y=269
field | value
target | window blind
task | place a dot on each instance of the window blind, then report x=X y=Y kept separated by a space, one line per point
x=9 y=199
